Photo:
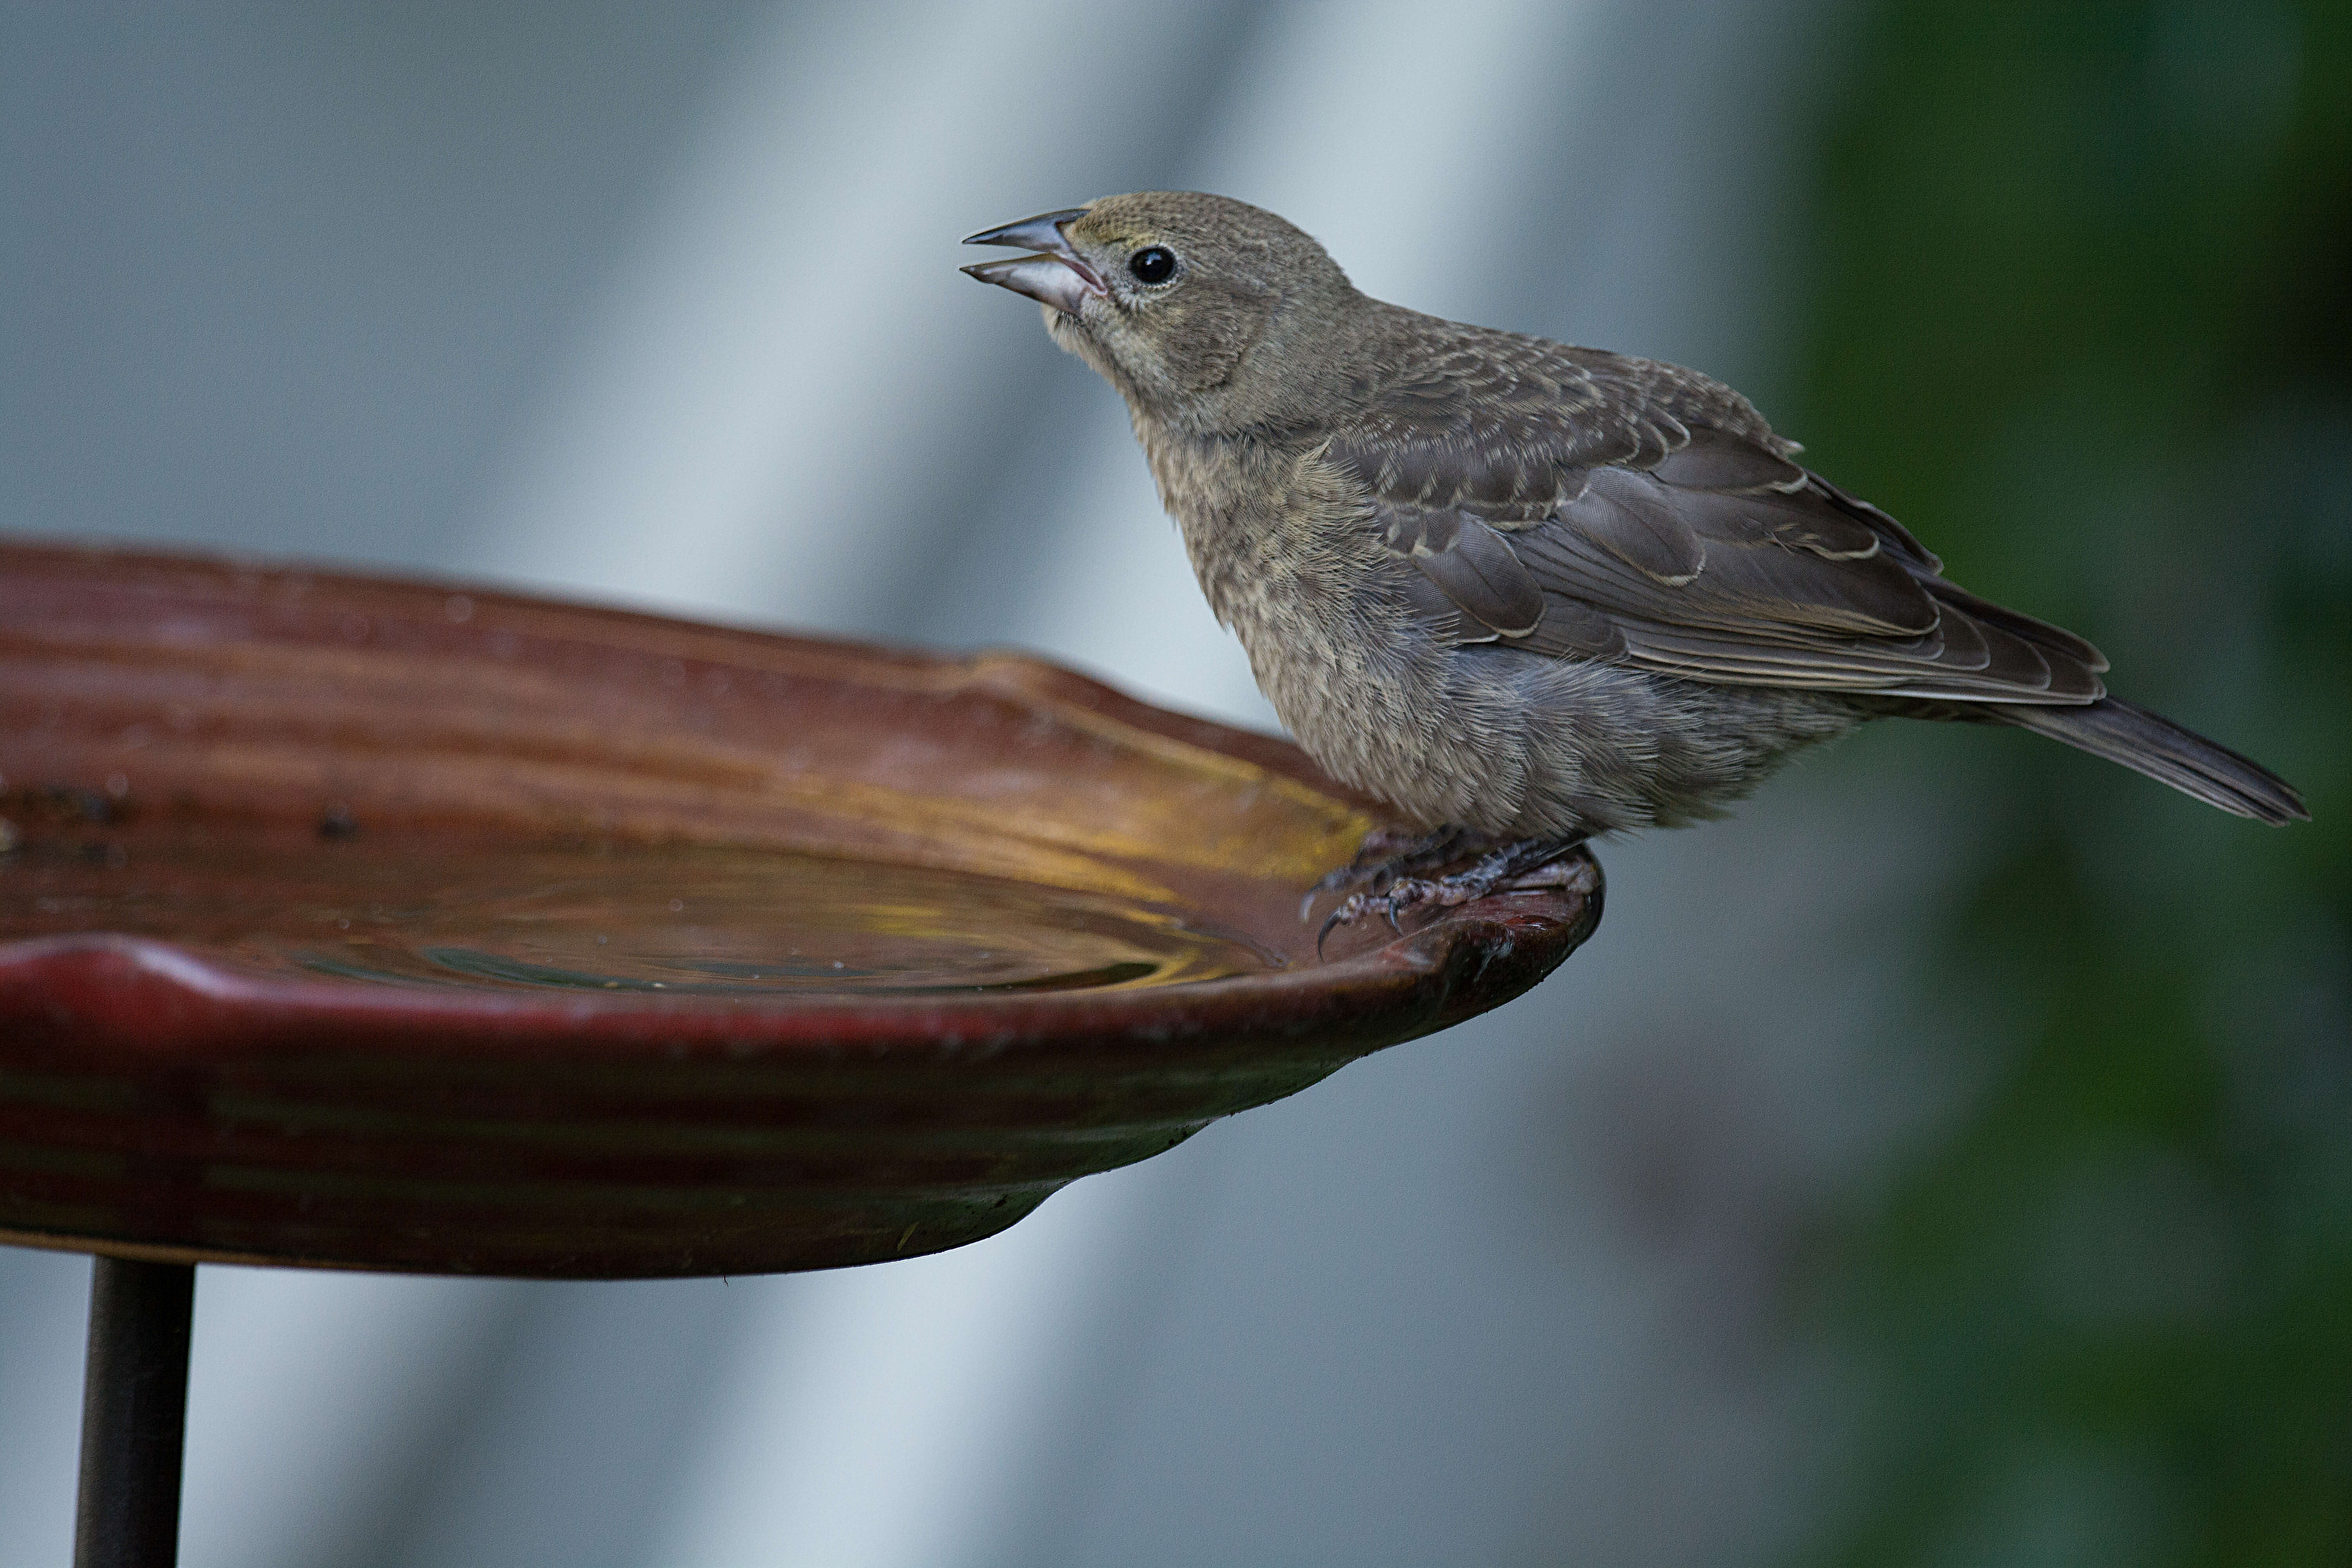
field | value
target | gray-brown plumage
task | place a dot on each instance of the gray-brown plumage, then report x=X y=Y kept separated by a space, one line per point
x=1526 y=592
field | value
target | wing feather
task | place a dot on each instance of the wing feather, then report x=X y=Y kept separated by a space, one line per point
x=1472 y=564
x=1590 y=506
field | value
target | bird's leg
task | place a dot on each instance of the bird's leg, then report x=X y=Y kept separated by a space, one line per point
x=1520 y=865
x=1386 y=855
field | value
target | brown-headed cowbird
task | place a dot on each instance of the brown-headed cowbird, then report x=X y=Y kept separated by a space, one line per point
x=1528 y=593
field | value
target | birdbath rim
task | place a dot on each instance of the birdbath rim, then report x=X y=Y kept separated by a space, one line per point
x=197 y=1092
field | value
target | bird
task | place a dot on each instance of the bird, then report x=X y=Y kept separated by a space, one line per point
x=1526 y=592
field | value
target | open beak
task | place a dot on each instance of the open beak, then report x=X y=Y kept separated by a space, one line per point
x=1060 y=277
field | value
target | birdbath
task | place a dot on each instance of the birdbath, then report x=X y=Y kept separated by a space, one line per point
x=369 y=924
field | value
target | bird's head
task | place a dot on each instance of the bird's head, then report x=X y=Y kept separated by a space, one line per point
x=1203 y=312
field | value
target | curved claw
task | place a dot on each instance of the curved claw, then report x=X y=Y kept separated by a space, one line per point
x=1402 y=896
x=1343 y=915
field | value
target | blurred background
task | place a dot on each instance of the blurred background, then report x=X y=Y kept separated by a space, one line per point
x=1947 y=1162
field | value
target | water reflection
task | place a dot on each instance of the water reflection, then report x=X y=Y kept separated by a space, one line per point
x=413 y=906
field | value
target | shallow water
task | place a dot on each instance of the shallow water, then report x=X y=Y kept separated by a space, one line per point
x=409 y=907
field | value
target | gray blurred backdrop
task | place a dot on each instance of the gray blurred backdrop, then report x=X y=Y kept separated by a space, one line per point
x=658 y=305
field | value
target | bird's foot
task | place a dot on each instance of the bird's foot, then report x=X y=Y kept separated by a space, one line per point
x=1525 y=865
x=1388 y=856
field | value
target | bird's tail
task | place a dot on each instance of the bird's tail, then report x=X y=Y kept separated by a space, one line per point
x=2153 y=744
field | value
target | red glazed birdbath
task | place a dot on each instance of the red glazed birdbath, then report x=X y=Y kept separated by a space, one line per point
x=385 y=925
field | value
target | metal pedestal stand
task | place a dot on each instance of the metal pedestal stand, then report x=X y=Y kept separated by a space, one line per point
x=134 y=1413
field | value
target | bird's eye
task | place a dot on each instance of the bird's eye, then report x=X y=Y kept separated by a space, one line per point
x=1152 y=264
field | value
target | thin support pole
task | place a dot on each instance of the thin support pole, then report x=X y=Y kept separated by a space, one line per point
x=134 y=1414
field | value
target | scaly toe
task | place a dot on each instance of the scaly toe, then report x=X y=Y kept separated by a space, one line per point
x=1526 y=866
x=1387 y=854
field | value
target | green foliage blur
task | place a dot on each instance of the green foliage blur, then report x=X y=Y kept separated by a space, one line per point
x=2080 y=284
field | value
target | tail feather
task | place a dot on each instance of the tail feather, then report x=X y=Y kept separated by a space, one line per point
x=2152 y=744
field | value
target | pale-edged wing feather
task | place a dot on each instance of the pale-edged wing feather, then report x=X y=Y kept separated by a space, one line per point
x=1657 y=520
x=1508 y=426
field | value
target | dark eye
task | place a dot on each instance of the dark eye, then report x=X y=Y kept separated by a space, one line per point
x=1152 y=264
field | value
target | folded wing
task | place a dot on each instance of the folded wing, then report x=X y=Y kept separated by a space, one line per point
x=1590 y=507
